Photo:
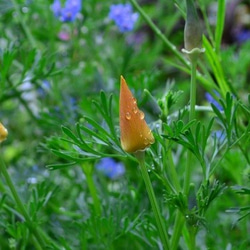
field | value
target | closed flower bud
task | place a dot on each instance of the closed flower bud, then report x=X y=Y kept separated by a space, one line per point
x=135 y=133
x=3 y=133
x=192 y=33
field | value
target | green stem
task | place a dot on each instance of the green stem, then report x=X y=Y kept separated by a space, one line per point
x=32 y=227
x=159 y=221
x=179 y=222
x=191 y=117
x=157 y=31
x=172 y=171
x=88 y=171
x=192 y=235
x=179 y=219
x=23 y=24
x=93 y=193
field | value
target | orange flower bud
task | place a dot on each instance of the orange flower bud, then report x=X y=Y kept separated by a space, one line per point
x=3 y=133
x=135 y=133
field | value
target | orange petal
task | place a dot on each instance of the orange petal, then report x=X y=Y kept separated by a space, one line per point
x=135 y=133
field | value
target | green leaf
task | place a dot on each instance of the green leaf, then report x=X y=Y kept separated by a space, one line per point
x=70 y=134
x=60 y=165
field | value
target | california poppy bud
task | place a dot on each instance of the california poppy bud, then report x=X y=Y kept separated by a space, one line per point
x=135 y=133
x=192 y=32
x=3 y=133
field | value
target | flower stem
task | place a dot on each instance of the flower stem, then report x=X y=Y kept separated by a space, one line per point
x=179 y=219
x=172 y=172
x=191 y=117
x=33 y=229
x=93 y=192
x=88 y=171
x=159 y=221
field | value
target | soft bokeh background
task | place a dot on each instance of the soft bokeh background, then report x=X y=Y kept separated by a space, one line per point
x=54 y=62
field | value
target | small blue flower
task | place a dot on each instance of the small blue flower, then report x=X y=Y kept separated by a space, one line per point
x=69 y=12
x=110 y=168
x=211 y=99
x=123 y=16
x=56 y=8
x=242 y=36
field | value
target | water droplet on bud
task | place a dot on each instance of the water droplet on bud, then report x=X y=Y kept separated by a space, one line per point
x=146 y=141
x=141 y=115
x=135 y=110
x=128 y=116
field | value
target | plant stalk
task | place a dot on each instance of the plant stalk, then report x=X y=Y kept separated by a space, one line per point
x=88 y=171
x=93 y=193
x=191 y=117
x=140 y=155
x=180 y=219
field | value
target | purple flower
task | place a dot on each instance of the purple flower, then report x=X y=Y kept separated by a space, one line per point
x=211 y=100
x=110 y=168
x=123 y=16
x=69 y=12
x=56 y=8
x=242 y=36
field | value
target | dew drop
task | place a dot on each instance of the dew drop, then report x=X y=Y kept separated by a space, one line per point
x=141 y=135
x=128 y=116
x=141 y=115
x=145 y=141
x=135 y=110
x=134 y=100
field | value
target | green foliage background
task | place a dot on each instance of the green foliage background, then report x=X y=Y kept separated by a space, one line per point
x=75 y=122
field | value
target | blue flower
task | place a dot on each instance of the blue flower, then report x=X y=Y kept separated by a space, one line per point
x=211 y=99
x=123 y=16
x=56 y=8
x=110 y=168
x=242 y=36
x=69 y=12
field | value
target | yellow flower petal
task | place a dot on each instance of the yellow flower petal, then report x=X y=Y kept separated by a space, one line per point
x=135 y=133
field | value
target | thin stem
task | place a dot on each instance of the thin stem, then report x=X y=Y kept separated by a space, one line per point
x=157 y=31
x=172 y=171
x=93 y=192
x=32 y=227
x=192 y=235
x=191 y=117
x=180 y=219
x=88 y=171
x=154 y=204
x=23 y=24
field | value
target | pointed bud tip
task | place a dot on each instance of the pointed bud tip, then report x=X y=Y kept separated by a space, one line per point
x=135 y=133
